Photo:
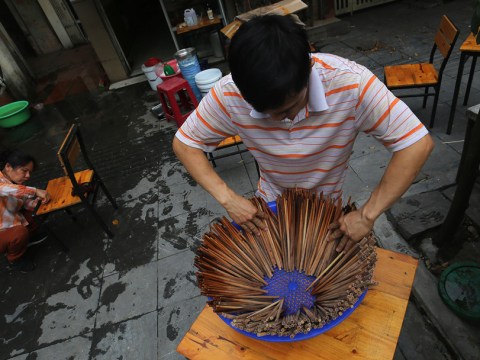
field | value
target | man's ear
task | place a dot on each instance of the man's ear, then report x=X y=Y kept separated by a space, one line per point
x=8 y=167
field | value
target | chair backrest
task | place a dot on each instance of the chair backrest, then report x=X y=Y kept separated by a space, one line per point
x=69 y=150
x=446 y=36
x=72 y=146
x=445 y=39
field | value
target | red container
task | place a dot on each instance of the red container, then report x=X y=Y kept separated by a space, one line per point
x=152 y=62
x=173 y=63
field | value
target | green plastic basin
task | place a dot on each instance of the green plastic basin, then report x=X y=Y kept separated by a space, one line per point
x=14 y=114
x=459 y=288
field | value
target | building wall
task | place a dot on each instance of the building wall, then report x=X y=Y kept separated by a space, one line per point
x=18 y=78
x=99 y=37
x=35 y=25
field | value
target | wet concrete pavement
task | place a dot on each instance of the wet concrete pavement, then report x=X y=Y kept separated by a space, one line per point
x=135 y=296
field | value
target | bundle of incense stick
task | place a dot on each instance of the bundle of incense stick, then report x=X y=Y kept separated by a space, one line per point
x=234 y=268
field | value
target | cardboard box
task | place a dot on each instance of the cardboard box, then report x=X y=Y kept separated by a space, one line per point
x=280 y=8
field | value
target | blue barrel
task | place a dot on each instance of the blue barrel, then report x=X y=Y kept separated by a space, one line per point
x=189 y=66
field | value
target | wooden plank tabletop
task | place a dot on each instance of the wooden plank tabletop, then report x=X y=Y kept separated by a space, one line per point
x=370 y=332
x=470 y=44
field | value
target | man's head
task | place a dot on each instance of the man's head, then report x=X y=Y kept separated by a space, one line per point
x=269 y=59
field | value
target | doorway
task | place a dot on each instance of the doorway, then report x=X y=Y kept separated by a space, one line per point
x=140 y=29
x=15 y=31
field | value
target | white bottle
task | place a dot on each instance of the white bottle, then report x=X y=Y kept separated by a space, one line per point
x=209 y=13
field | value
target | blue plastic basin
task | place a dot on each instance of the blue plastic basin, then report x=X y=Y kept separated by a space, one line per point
x=315 y=332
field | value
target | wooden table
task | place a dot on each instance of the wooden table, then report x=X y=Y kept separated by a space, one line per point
x=468 y=48
x=370 y=332
x=202 y=23
x=449 y=232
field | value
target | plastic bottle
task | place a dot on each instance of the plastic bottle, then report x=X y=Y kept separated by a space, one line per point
x=209 y=13
x=190 y=17
x=168 y=70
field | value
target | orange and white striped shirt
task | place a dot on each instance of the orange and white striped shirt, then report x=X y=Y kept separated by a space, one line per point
x=311 y=151
x=13 y=198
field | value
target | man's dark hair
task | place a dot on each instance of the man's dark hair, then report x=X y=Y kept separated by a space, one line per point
x=16 y=158
x=269 y=59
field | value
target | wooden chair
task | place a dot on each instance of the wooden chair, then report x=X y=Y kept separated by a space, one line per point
x=425 y=75
x=75 y=188
x=227 y=143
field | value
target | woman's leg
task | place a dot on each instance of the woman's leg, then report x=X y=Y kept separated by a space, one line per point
x=33 y=224
x=14 y=241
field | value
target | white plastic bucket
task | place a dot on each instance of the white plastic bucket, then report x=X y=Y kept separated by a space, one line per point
x=149 y=71
x=206 y=79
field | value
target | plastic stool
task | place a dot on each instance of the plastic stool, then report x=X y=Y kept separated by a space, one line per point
x=167 y=92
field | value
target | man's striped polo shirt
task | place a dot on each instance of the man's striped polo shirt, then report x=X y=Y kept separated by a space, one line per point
x=313 y=150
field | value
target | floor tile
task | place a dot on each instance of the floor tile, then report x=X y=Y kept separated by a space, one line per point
x=173 y=323
x=128 y=295
x=70 y=313
x=131 y=339
x=176 y=279
x=77 y=348
x=184 y=231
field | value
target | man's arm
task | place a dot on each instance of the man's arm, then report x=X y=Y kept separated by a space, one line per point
x=402 y=169
x=241 y=210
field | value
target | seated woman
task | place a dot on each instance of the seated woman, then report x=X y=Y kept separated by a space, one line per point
x=17 y=201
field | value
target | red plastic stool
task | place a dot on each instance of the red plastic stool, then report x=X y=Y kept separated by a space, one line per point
x=167 y=91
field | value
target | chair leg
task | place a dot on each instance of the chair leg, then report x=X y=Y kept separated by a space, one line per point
x=425 y=97
x=54 y=236
x=110 y=198
x=211 y=158
x=434 y=109
x=72 y=215
x=97 y=217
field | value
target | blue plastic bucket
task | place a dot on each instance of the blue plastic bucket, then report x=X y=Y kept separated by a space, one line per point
x=189 y=66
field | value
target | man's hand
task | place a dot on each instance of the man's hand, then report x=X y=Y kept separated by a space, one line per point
x=43 y=195
x=240 y=210
x=245 y=214
x=350 y=228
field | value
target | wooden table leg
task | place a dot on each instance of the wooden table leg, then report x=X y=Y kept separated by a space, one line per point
x=466 y=180
x=466 y=144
